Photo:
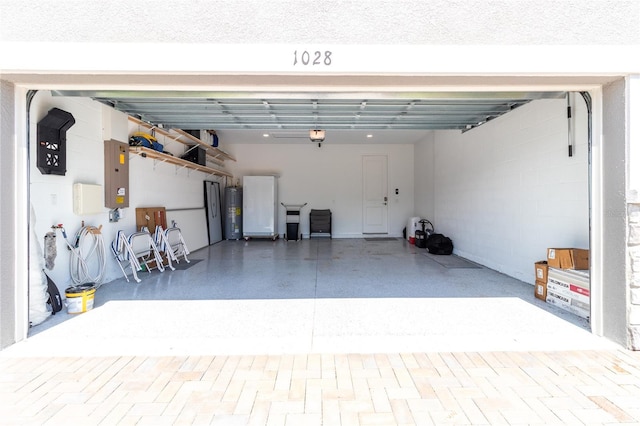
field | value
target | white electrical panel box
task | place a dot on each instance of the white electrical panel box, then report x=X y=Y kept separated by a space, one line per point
x=87 y=199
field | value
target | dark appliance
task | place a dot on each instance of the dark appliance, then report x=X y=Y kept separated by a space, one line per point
x=196 y=155
x=52 y=142
x=212 y=202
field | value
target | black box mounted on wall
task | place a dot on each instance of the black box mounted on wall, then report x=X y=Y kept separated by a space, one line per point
x=196 y=155
x=52 y=141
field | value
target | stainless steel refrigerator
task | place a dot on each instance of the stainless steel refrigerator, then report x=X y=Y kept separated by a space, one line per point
x=212 y=203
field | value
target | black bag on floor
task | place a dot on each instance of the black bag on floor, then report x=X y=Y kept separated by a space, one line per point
x=439 y=244
x=55 y=300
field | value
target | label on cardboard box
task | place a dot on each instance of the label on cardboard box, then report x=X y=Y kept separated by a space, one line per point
x=541 y=270
x=541 y=290
x=579 y=290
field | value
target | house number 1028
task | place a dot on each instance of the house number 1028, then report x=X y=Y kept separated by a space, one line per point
x=312 y=58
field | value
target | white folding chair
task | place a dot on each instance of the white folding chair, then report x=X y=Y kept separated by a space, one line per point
x=125 y=256
x=176 y=245
x=145 y=250
x=163 y=246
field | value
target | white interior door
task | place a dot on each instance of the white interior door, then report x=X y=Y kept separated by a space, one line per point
x=375 y=199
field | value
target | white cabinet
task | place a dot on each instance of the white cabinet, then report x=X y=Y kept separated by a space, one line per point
x=259 y=207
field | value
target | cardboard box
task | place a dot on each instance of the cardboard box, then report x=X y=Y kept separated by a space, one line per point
x=568 y=258
x=560 y=289
x=541 y=290
x=575 y=280
x=542 y=268
x=573 y=284
x=568 y=304
x=569 y=289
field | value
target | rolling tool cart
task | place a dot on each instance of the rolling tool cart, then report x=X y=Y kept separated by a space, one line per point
x=320 y=223
x=293 y=220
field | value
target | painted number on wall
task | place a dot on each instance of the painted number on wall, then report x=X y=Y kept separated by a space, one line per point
x=305 y=58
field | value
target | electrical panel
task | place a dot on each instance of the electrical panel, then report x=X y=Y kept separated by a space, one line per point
x=116 y=174
x=52 y=141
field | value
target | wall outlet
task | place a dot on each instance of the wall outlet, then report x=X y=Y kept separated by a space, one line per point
x=114 y=215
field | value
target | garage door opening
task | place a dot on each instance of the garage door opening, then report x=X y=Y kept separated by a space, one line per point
x=503 y=200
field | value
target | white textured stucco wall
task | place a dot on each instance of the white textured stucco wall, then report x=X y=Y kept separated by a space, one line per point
x=536 y=22
x=614 y=218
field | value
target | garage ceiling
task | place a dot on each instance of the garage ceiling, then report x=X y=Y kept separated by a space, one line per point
x=262 y=111
x=283 y=115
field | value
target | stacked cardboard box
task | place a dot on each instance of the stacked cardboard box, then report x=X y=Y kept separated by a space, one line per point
x=569 y=290
x=568 y=283
x=542 y=269
x=568 y=258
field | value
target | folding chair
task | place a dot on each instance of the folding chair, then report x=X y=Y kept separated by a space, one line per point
x=145 y=250
x=125 y=256
x=163 y=246
x=176 y=244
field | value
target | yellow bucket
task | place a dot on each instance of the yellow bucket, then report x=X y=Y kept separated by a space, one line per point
x=80 y=298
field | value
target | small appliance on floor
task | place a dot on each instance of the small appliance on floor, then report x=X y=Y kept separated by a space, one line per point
x=320 y=223
x=293 y=221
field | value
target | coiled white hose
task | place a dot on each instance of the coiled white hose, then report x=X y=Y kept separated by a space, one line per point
x=88 y=251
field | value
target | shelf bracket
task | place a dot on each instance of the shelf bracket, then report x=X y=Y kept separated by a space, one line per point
x=191 y=148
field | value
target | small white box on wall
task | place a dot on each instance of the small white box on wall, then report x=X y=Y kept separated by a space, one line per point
x=87 y=199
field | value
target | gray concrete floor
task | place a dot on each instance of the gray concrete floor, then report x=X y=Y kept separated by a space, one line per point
x=313 y=296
